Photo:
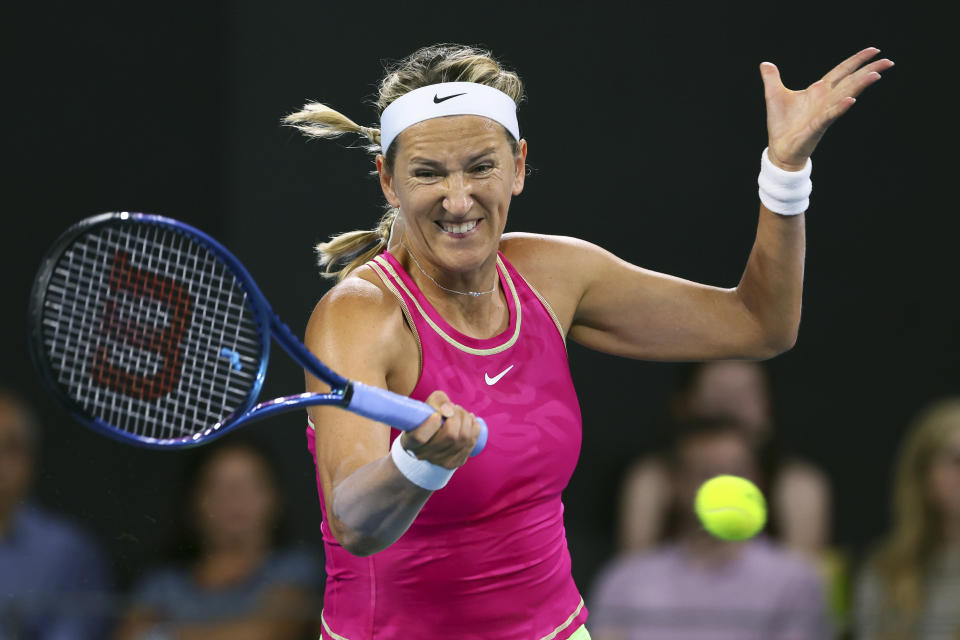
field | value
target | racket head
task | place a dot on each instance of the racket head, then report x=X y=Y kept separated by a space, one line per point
x=148 y=330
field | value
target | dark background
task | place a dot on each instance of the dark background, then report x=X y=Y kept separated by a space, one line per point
x=645 y=129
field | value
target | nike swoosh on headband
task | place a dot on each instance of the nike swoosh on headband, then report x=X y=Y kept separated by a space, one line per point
x=437 y=100
x=473 y=99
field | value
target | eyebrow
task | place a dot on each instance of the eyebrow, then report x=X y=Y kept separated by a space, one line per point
x=436 y=163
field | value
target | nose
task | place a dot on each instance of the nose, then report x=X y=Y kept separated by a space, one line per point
x=458 y=198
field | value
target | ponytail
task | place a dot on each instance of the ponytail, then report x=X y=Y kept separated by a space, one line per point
x=345 y=252
x=429 y=65
x=354 y=248
x=317 y=120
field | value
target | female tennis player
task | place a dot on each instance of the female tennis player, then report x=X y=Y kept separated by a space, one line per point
x=438 y=303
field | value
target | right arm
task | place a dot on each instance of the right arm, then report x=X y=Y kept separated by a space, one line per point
x=358 y=330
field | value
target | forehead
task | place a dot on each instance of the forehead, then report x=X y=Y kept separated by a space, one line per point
x=234 y=461
x=452 y=137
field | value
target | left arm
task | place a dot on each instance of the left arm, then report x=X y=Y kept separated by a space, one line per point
x=610 y=305
x=668 y=318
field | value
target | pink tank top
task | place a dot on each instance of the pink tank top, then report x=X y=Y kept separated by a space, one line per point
x=487 y=555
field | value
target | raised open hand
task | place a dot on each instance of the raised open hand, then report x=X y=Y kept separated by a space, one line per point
x=796 y=120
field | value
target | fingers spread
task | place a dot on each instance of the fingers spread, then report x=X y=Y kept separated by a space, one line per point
x=853 y=84
x=849 y=65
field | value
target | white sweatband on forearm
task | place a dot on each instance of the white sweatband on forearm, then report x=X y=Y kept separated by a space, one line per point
x=784 y=192
x=420 y=472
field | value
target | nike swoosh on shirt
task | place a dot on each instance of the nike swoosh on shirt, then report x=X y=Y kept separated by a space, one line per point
x=438 y=100
x=494 y=380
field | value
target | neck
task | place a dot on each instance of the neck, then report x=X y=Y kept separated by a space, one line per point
x=473 y=302
x=477 y=284
x=236 y=547
x=228 y=563
x=708 y=551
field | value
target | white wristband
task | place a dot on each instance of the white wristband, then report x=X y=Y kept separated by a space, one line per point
x=420 y=472
x=784 y=192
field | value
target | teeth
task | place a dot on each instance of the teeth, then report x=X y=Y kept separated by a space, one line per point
x=458 y=228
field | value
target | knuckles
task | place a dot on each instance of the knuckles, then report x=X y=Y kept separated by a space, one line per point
x=445 y=442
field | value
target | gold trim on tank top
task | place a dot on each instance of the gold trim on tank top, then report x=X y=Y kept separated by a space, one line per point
x=550 y=636
x=477 y=352
x=403 y=307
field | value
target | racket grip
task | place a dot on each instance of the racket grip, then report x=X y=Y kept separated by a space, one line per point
x=399 y=411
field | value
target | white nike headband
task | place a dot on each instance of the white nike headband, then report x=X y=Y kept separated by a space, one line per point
x=447 y=99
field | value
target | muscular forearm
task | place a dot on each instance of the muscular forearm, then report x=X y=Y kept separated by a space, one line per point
x=374 y=506
x=796 y=120
x=772 y=284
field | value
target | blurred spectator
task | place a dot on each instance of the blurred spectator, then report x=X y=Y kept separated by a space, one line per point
x=695 y=586
x=52 y=578
x=738 y=390
x=910 y=589
x=232 y=580
x=799 y=496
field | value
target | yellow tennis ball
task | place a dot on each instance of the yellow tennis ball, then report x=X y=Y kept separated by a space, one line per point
x=731 y=508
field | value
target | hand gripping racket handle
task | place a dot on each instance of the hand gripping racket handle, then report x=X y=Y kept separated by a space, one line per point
x=399 y=411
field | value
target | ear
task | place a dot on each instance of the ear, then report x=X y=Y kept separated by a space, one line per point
x=386 y=182
x=520 y=168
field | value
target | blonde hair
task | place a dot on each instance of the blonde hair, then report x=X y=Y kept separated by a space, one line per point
x=904 y=557
x=430 y=65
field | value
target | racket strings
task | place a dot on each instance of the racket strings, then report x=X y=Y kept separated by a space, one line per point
x=148 y=331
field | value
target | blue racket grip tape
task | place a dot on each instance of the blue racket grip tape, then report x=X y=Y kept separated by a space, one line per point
x=399 y=411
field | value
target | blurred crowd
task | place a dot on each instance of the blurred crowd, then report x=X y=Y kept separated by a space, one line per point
x=673 y=581
x=230 y=571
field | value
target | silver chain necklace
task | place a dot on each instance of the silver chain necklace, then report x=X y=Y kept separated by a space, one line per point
x=475 y=294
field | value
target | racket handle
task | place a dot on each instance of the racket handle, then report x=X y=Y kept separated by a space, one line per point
x=398 y=411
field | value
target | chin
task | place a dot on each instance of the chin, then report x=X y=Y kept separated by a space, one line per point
x=466 y=258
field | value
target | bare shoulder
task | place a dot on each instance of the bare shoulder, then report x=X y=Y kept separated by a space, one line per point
x=360 y=297
x=558 y=267
x=537 y=249
x=358 y=323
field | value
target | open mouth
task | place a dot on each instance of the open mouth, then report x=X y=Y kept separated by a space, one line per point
x=458 y=229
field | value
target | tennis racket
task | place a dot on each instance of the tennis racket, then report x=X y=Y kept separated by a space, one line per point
x=151 y=332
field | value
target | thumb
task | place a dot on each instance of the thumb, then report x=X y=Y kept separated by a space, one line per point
x=771 y=77
x=441 y=402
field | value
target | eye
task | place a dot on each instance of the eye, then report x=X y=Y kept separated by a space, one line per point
x=425 y=173
x=483 y=168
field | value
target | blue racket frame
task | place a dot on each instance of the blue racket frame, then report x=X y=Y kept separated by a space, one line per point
x=371 y=402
